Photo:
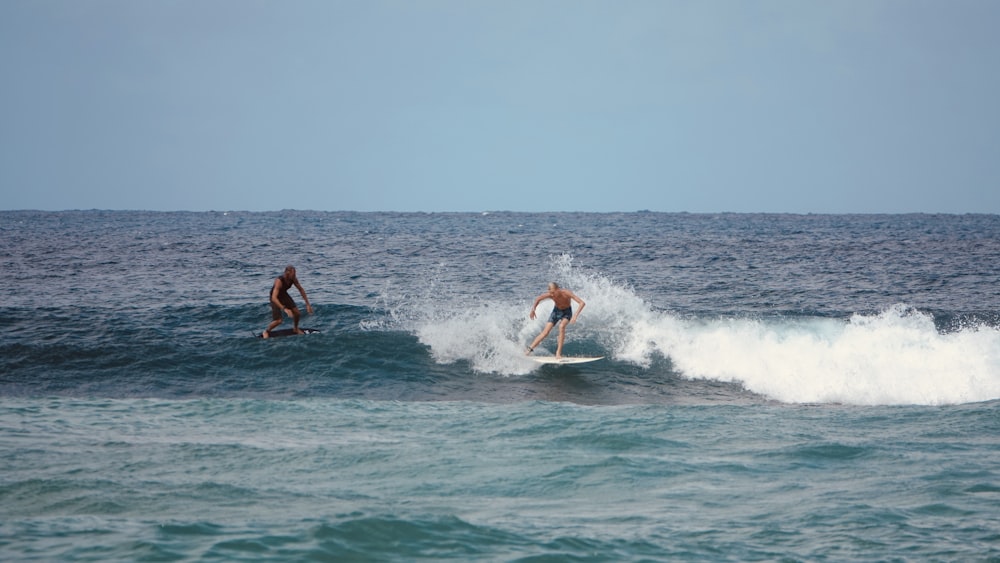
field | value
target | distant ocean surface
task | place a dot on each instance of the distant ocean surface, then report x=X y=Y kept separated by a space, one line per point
x=776 y=387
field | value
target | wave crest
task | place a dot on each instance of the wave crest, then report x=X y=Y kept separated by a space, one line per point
x=895 y=356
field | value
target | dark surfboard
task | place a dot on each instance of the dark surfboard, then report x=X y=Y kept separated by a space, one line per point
x=288 y=332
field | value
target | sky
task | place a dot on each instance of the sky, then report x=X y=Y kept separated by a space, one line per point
x=702 y=106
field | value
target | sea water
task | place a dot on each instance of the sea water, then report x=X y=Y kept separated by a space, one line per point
x=776 y=387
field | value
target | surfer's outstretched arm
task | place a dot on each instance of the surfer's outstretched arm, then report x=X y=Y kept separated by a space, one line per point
x=534 y=305
x=302 y=292
x=579 y=309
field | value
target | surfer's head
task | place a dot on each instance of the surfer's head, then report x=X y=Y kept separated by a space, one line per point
x=290 y=272
x=553 y=287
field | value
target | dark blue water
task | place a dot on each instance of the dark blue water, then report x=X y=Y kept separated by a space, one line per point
x=775 y=387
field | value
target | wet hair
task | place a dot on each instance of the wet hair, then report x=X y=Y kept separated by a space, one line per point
x=554 y=285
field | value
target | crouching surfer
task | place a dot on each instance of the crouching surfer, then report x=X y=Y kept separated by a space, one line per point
x=281 y=302
x=562 y=314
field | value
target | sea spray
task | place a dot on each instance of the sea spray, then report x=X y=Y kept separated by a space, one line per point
x=492 y=335
x=896 y=356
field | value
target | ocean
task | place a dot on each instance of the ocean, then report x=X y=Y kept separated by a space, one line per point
x=775 y=388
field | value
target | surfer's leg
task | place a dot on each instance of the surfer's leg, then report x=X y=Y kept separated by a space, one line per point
x=295 y=317
x=541 y=336
x=275 y=321
x=562 y=337
x=267 y=331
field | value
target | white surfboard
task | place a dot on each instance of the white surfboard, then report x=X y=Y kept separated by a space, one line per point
x=565 y=359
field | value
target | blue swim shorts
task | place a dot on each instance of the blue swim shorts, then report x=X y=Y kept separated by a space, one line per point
x=560 y=314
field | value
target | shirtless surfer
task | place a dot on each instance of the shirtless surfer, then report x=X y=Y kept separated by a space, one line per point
x=562 y=314
x=282 y=302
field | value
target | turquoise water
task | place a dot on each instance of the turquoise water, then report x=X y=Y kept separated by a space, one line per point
x=814 y=388
x=335 y=479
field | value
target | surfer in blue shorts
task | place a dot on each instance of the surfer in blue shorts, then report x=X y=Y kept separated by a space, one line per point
x=281 y=302
x=562 y=314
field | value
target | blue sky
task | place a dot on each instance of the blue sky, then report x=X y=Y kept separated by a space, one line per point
x=794 y=106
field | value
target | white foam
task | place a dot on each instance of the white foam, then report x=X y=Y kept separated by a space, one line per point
x=894 y=357
x=488 y=337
